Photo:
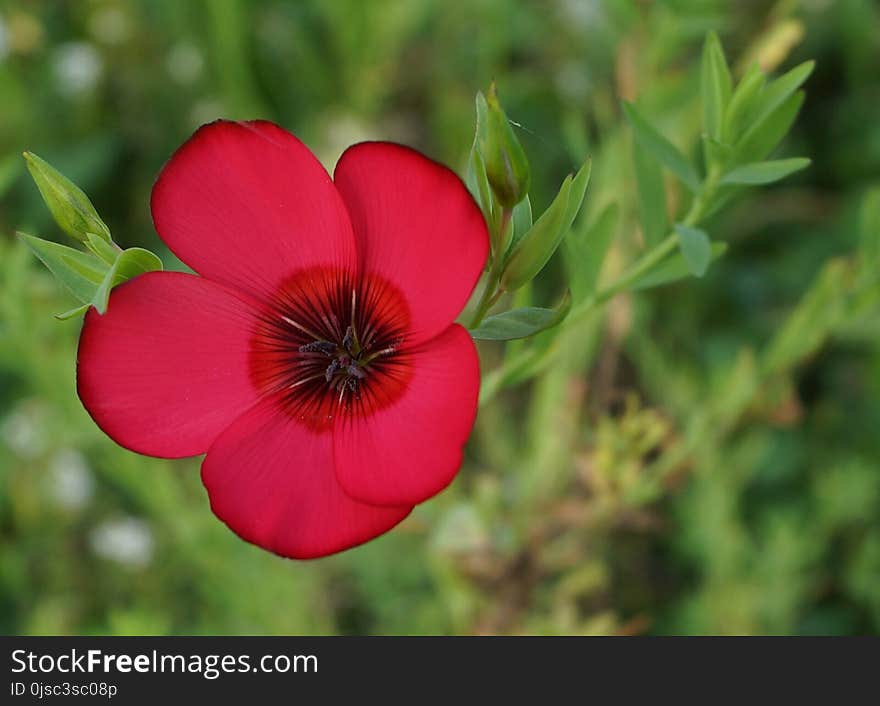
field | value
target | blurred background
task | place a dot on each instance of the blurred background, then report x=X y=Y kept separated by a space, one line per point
x=703 y=457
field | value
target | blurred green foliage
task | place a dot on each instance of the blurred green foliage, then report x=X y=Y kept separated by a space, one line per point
x=699 y=458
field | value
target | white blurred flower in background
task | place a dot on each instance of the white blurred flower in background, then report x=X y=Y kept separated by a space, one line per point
x=582 y=14
x=127 y=541
x=184 y=63
x=573 y=81
x=71 y=484
x=78 y=67
x=21 y=431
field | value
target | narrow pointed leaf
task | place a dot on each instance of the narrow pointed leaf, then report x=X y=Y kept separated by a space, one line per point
x=522 y=220
x=69 y=206
x=578 y=191
x=79 y=272
x=475 y=176
x=522 y=323
x=537 y=246
x=129 y=264
x=716 y=152
x=77 y=311
x=816 y=315
x=482 y=121
x=715 y=85
x=779 y=91
x=763 y=137
x=663 y=150
x=695 y=248
x=764 y=172
x=742 y=103
x=106 y=251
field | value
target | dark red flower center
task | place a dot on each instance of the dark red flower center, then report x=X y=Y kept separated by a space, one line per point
x=330 y=345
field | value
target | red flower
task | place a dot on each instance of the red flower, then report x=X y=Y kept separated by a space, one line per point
x=315 y=359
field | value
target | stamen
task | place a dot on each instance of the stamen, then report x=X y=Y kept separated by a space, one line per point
x=348 y=340
x=328 y=338
x=332 y=369
x=305 y=380
x=302 y=328
x=378 y=354
x=325 y=347
x=332 y=323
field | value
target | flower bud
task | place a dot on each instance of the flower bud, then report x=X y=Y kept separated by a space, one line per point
x=507 y=167
x=70 y=207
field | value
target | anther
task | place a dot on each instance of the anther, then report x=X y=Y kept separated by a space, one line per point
x=348 y=340
x=332 y=369
x=324 y=347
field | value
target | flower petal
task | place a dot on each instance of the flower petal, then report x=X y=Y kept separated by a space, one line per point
x=411 y=450
x=165 y=370
x=271 y=480
x=247 y=204
x=416 y=225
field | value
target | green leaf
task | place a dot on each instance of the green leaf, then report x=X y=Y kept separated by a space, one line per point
x=716 y=152
x=475 y=180
x=475 y=176
x=70 y=207
x=589 y=248
x=106 y=251
x=537 y=246
x=578 y=191
x=527 y=258
x=522 y=323
x=73 y=312
x=764 y=172
x=742 y=104
x=129 y=264
x=817 y=314
x=716 y=85
x=662 y=149
x=522 y=220
x=695 y=248
x=763 y=137
x=80 y=272
x=482 y=120
x=779 y=91
x=652 y=197
x=674 y=269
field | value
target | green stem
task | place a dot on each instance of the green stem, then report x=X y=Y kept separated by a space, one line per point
x=492 y=293
x=644 y=264
x=653 y=257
